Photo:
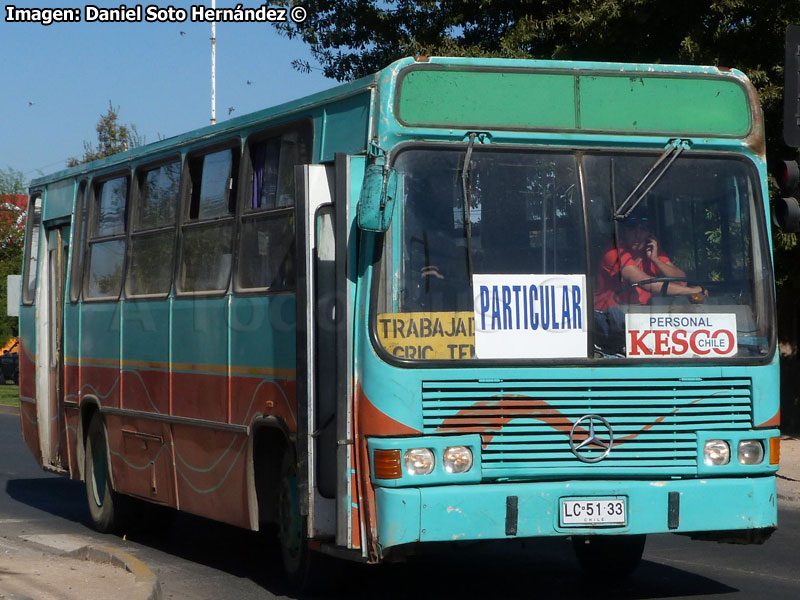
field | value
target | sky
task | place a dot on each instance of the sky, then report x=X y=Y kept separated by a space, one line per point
x=57 y=80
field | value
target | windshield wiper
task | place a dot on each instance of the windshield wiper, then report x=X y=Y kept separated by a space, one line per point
x=465 y=176
x=664 y=162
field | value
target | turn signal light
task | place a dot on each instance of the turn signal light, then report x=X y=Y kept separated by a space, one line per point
x=774 y=451
x=387 y=464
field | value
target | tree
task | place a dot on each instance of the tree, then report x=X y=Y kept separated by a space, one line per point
x=11 y=181
x=112 y=138
x=13 y=203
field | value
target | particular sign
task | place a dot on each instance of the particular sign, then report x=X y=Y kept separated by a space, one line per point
x=530 y=316
x=695 y=335
x=428 y=335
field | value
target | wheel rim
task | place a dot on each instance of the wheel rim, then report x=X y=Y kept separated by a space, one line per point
x=98 y=472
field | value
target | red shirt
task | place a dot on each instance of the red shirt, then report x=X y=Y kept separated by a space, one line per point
x=609 y=280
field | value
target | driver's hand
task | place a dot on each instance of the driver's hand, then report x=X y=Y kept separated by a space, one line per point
x=651 y=250
x=697 y=295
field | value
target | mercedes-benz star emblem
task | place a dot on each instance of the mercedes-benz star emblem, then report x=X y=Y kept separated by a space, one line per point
x=582 y=449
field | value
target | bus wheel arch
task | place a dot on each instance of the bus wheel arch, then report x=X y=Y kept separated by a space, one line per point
x=270 y=441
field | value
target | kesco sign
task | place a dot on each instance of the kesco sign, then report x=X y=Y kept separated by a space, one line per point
x=680 y=335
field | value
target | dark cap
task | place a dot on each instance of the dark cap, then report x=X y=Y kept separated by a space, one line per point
x=637 y=217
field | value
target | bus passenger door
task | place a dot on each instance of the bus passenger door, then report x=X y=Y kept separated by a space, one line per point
x=50 y=363
x=317 y=373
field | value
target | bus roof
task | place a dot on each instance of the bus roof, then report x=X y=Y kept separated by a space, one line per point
x=534 y=95
x=214 y=131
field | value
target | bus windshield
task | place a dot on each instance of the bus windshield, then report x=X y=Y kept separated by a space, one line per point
x=556 y=276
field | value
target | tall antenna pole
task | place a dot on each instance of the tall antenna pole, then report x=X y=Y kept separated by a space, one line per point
x=213 y=65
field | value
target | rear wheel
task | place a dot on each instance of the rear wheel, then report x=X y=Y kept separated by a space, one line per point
x=105 y=506
x=609 y=556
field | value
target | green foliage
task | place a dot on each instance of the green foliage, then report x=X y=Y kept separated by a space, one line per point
x=112 y=138
x=10 y=263
x=11 y=181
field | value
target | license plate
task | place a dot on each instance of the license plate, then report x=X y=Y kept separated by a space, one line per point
x=594 y=511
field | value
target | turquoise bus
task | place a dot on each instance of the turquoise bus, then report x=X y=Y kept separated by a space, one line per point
x=457 y=300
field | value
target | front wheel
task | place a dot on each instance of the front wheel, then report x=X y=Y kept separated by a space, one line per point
x=306 y=570
x=609 y=556
x=105 y=506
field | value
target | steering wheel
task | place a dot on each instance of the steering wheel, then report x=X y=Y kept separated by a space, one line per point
x=694 y=298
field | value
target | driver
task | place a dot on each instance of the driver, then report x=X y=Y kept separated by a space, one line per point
x=638 y=259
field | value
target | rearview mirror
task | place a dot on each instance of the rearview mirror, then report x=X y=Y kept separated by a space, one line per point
x=376 y=203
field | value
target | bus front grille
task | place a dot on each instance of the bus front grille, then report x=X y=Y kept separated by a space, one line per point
x=525 y=426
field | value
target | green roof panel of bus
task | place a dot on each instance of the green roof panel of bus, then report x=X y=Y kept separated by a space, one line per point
x=532 y=99
x=502 y=99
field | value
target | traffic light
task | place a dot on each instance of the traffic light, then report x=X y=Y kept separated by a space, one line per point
x=786 y=213
x=791 y=88
x=787 y=209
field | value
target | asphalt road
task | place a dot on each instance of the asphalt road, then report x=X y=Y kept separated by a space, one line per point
x=199 y=559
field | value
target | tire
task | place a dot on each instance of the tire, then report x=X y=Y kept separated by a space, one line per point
x=105 y=506
x=306 y=571
x=609 y=556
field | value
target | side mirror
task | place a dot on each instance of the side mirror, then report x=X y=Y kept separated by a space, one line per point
x=376 y=204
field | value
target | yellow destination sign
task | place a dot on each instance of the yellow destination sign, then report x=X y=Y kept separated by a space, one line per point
x=428 y=335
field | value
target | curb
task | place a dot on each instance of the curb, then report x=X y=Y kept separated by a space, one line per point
x=106 y=554
x=9 y=410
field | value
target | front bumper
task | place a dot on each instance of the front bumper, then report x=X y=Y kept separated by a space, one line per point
x=483 y=511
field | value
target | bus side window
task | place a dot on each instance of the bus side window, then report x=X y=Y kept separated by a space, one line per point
x=266 y=250
x=106 y=250
x=207 y=231
x=81 y=212
x=32 y=248
x=155 y=210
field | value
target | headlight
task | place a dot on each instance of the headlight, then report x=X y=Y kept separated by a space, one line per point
x=457 y=459
x=419 y=461
x=716 y=453
x=751 y=452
